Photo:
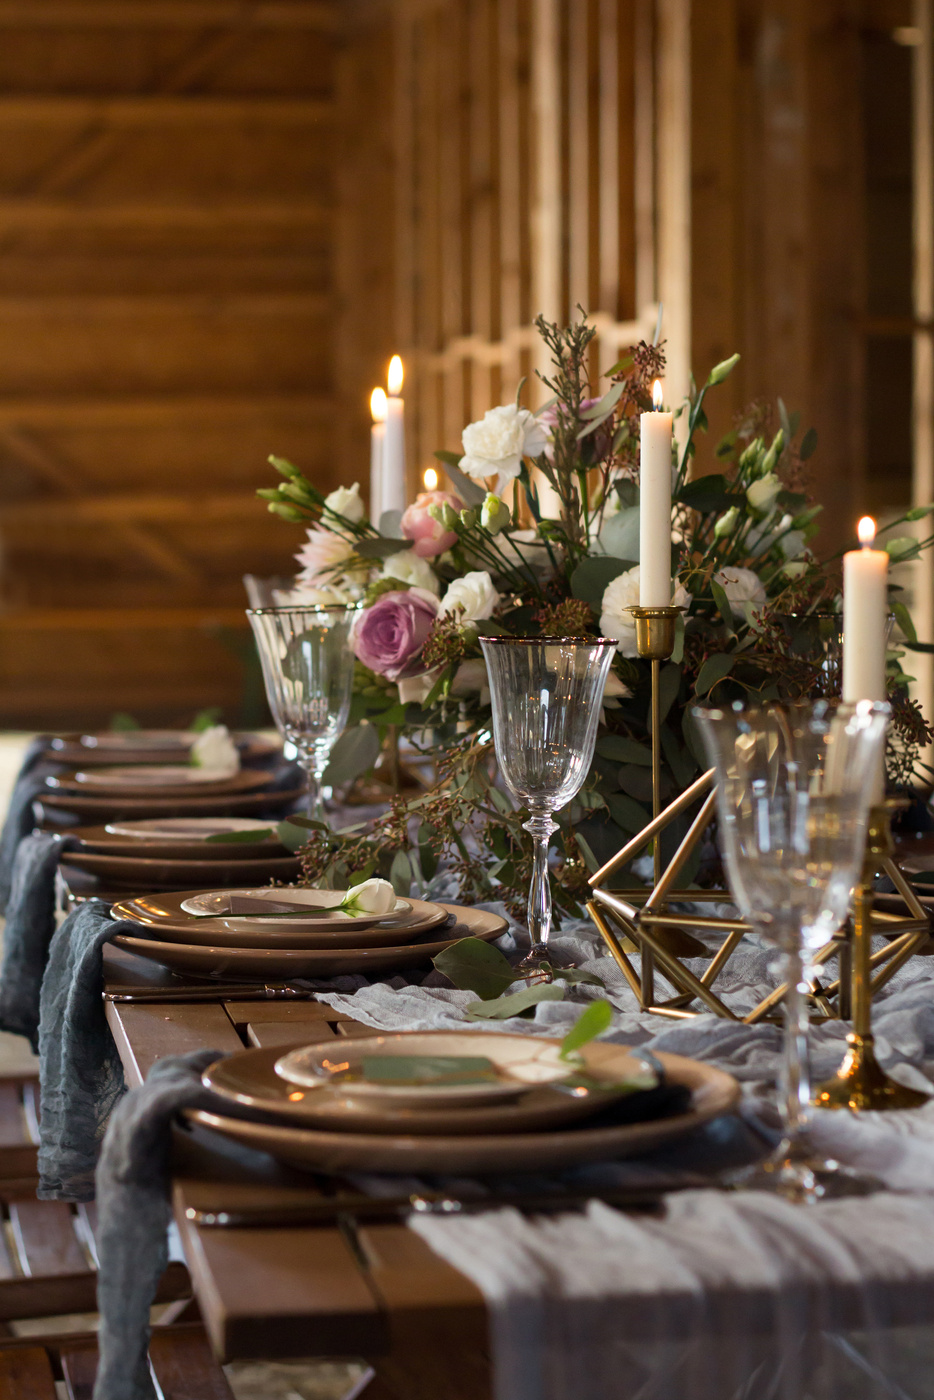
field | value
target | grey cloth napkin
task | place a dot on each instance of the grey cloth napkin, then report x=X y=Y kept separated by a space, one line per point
x=80 y=1074
x=19 y=818
x=30 y=924
x=134 y=1215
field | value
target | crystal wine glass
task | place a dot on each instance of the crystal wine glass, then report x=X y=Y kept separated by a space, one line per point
x=794 y=786
x=546 y=694
x=308 y=669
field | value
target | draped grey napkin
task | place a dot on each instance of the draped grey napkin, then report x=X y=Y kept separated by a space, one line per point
x=30 y=924
x=80 y=1074
x=19 y=818
x=133 y=1215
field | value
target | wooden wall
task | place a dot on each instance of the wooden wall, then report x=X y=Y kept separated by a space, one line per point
x=166 y=298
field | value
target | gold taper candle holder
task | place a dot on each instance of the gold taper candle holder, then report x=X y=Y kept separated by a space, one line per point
x=860 y=1083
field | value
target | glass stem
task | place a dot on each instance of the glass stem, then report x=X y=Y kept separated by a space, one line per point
x=540 y=827
x=314 y=762
x=795 y=1074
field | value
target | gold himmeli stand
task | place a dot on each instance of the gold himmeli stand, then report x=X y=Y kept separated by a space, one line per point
x=645 y=919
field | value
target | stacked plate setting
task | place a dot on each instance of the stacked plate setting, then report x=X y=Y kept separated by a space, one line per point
x=180 y=852
x=278 y=934
x=452 y=1102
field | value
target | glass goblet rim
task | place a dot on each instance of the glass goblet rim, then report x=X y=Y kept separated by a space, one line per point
x=553 y=641
x=819 y=709
x=304 y=608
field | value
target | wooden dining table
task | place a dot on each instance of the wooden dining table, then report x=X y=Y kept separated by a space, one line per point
x=326 y=1276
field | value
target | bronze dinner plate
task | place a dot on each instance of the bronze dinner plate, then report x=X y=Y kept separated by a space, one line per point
x=247 y=780
x=156 y=805
x=135 y=872
x=713 y=1093
x=282 y=964
x=148 y=746
x=164 y=915
x=249 y=1079
x=100 y=841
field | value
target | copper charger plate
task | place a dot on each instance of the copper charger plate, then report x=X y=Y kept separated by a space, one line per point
x=247 y=780
x=134 y=748
x=249 y=1080
x=225 y=804
x=132 y=872
x=713 y=1093
x=99 y=841
x=163 y=914
x=282 y=964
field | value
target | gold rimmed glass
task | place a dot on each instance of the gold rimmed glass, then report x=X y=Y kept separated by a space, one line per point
x=546 y=694
x=308 y=669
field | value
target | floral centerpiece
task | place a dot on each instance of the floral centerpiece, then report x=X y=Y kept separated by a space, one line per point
x=539 y=533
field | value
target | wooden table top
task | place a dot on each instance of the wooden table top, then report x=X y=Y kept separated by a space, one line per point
x=339 y=1288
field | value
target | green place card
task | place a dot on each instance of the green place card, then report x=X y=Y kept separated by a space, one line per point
x=428 y=1069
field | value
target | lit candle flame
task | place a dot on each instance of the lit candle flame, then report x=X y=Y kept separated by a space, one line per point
x=866 y=531
x=657 y=396
x=395 y=376
x=378 y=405
x=430 y=478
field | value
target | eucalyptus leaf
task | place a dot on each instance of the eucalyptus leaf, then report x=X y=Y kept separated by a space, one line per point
x=390 y=524
x=714 y=669
x=669 y=683
x=626 y=812
x=221 y=838
x=591 y=578
x=622 y=750
x=619 y=536
x=475 y=966
x=470 y=492
x=709 y=493
x=576 y=976
x=603 y=406
x=723 y=603
x=808 y=444
x=904 y=619
x=380 y=548
x=677 y=651
x=292 y=836
x=401 y=874
x=355 y=752
x=593 y=1021
x=503 y=1007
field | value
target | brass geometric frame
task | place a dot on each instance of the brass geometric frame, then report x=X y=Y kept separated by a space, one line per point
x=644 y=917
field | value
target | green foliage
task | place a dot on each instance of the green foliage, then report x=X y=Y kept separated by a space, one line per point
x=593 y=1021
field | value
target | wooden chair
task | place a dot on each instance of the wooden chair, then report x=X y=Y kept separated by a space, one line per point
x=48 y=1251
x=181 y=1360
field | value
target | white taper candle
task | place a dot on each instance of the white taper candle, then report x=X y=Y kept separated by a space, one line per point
x=655 y=506
x=393 y=495
x=377 y=438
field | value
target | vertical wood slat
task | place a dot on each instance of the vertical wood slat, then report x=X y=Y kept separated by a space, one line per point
x=673 y=119
x=644 y=152
x=923 y=295
x=512 y=155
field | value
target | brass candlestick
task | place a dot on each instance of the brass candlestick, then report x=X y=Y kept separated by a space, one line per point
x=860 y=1083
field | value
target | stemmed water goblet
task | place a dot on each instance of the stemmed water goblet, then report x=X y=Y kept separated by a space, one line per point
x=308 y=669
x=794 y=787
x=546 y=694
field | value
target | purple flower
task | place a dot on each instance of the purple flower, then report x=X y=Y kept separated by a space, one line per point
x=388 y=637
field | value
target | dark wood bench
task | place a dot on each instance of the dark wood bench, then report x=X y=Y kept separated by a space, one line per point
x=181 y=1360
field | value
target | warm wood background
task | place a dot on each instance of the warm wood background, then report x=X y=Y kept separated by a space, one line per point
x=218 y=218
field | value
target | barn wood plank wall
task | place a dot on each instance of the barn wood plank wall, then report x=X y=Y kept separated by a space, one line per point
x=166 y=208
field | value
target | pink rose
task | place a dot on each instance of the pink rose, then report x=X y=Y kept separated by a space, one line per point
x=430 y=536
x=388 y=637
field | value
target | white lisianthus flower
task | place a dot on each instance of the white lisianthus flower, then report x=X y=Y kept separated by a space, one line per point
x=473 y=596
x=216 y=751
x=615 y=689
x=617 y=621
x=409 y=567
x=496 y=444
x=346 y=501
x=741 y=586
x=495 y=515
x=415 y=690
x=372 y=897
x=471 y=678
x=795 y=569
x=726 y=524
x=763 y=494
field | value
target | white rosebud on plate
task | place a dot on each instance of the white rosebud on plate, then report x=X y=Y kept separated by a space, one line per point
x=215 y=751
x=372 y=897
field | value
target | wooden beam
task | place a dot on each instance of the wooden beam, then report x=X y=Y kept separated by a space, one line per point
x=167 y=109
x=30 y=214
x=316 y=15
x=155 y=412
x=92 y=307
x=923 y=374
x=116 y=509
x=118 y=619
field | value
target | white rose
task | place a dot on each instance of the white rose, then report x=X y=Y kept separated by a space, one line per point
x=346 y=501
x=762 y=494
x=215 y=750
x=372 y=897
x=473 y=596
x=409 y=567
x=617 y=621
x=615 y=689
x=741 y=586
x=498 y=442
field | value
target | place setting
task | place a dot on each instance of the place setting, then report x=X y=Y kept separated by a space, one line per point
x=279 y=934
